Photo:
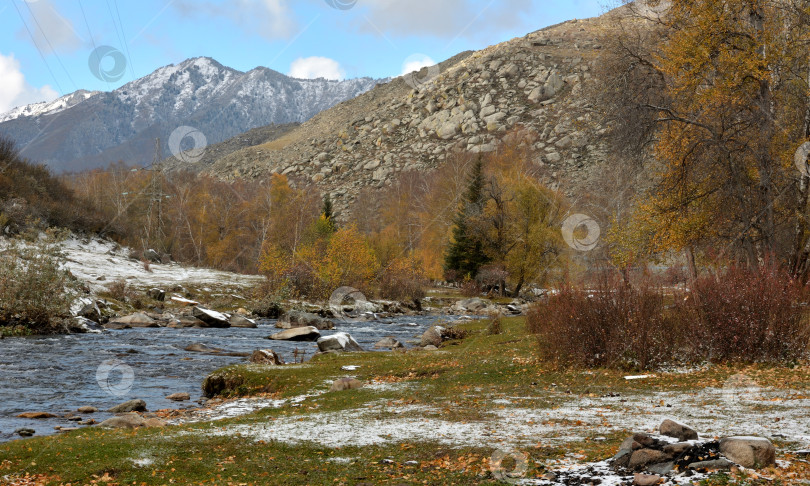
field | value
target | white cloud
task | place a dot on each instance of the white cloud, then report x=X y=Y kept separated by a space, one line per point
x=415 y=63
x=15 y=90
x=51 y=30
x=272 y=19
x=316 y=67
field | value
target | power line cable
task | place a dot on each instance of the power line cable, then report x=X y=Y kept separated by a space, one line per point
x=56 y=54
x=55 y=81
x=123 y=34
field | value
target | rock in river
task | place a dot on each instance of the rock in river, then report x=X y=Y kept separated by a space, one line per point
x=212 y=318
x=138 y=319
x=308 y=333
x=243 y=322
x=179 y=397
x=339 y=342
x=294 y=318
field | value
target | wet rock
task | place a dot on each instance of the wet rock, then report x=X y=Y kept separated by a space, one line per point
x=129 y=406
x=212 y=318
x=339 y=342
x=682 y=432
x=25 y=432
x=388 y=343
x=266 y=356
x=138 y=319
x=242 y=322
x=36 y=415
x=186 y=321
x=294 y=319
x=342 y=384
x=179 y=397
x=87 y=409
x=750 y=452
x=308 y=333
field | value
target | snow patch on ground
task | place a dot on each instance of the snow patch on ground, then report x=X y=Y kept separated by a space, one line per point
x=91 y=259
x=708 y=410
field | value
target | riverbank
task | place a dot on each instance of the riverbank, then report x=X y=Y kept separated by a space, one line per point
x=430 y=416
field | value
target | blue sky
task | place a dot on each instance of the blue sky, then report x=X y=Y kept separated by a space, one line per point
x=47 y=46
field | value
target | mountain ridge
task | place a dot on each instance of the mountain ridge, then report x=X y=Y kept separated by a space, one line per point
x=217 y=100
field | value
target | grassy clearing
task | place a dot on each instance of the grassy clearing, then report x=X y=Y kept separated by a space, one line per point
x=476 y=382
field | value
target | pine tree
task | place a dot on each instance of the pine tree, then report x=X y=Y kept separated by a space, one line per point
x=327 y=213
x=465 y=254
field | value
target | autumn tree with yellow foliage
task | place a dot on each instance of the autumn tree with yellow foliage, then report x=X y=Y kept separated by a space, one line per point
x=720 y=95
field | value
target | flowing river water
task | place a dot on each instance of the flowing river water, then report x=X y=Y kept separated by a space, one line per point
x=58 y=374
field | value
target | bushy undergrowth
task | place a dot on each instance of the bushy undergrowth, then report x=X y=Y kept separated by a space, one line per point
x=33 y=288
x=738 y=315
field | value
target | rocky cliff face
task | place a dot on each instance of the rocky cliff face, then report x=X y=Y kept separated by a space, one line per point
x=468 y=103
x=86 y=130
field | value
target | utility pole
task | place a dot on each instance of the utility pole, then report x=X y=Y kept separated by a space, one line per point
x=154 y=216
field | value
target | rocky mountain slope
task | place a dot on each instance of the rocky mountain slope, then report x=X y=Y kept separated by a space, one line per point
x=468 y=103
x=75 y=134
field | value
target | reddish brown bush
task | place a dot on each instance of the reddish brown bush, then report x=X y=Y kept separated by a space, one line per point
x=612 y=325
x=748 y=315
x=739 y=315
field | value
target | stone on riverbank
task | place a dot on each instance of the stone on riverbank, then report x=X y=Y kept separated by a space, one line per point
x=131 y=421
x=388 y=343
x=266 y=357
x=750 y=452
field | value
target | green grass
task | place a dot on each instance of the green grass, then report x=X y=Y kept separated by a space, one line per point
x=457 y=383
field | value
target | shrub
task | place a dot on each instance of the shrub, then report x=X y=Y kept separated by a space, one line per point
x=739 y=315
x=613 y=325
x=34 y=289
x=118 y=290
x=749 y=315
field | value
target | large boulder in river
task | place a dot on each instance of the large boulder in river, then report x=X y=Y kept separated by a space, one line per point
x=186 y=321
x=139 y=319
x=339 y=342
x=130 y=406
x=265 y=356
x=294 y=318
x=212 y=318
x=432 y=337
x=750 y=452
x=242 y=322
x=297 y=334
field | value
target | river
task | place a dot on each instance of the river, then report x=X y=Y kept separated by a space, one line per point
x=58 y=374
